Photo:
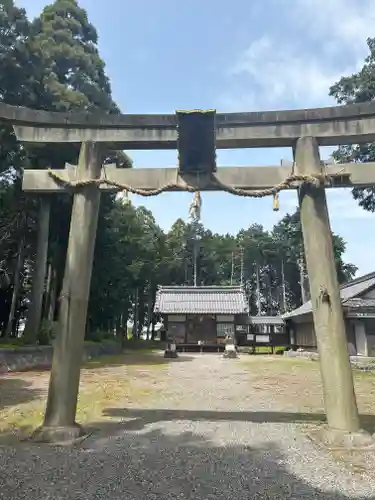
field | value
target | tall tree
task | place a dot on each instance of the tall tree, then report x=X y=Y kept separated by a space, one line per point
x=67 y=43
x=75 y=80
x=19 y=85
x=288 y=239
x=133 y=246
x=356 y=88
x=52 y=63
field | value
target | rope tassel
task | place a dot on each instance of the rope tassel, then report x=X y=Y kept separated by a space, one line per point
x=195 y=206
x=276 y=205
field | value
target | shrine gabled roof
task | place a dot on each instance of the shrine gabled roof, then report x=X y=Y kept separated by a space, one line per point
x=348 y=291
x=201 y=300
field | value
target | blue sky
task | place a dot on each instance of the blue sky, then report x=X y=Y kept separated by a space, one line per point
x=234 y=56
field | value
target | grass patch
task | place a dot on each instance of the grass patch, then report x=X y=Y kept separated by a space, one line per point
x=295 y=386
x=266 y=349
x=145 y=357
x=20 y=342
x=280 y=363
x=12 y=343
x=108 y=382
x=261 y=349
x=143 y=345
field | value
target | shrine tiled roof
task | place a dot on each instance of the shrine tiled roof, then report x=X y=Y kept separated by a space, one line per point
x=201 y=300
x=359 y=303
x=352 y=290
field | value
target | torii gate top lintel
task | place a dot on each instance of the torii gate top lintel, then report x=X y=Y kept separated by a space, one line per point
x=331 y=126
x=196 y=135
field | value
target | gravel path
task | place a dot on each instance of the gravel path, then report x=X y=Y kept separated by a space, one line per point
x=207 y=436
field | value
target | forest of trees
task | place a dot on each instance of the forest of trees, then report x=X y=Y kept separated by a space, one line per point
x=53 y=63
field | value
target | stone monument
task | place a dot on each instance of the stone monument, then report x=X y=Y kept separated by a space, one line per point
x=171 y=351
x=230 y=346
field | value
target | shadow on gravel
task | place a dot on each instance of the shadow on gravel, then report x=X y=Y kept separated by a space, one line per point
x=15 y=391
x=154 y=465
x=140 y=418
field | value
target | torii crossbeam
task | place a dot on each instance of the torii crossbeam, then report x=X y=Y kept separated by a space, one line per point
x=347 y=175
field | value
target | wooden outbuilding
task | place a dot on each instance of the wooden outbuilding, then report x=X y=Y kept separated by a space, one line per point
x=202 y=315
x=358 y=303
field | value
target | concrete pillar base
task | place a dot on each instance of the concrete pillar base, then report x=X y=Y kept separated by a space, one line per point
x=57 y=435
x=230 y=354
x=170 y=354
x=341 y=440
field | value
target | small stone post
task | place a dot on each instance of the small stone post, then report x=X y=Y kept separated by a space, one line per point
x=338 y=389
x=59 y=422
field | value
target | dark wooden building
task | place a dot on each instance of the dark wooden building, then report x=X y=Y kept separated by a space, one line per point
x=268 y=331
x=201 y=315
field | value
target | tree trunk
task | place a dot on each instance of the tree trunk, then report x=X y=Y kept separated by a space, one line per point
x=304 y=280
x=125 y=318
x=16 y=287
x=38 y=280
x=150 y=304
x=49 y=287
x=52 y=296
x=283 y=288
x=117 y=324
x=259 y=306
x=153 y=329
x=136 y=315
x=141 y=313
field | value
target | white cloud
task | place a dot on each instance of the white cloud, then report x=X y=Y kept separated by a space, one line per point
x=339 y=25
x=275 y=75
x=320 y=41
x=316 y=42
x=341 y=205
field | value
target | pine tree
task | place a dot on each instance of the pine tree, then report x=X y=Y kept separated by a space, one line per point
x=74 y=79
x=75 y=74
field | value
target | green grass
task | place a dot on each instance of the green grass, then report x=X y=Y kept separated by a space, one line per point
x=12 y=343
x=126 y=359
x=143 y=345
x=264 y=349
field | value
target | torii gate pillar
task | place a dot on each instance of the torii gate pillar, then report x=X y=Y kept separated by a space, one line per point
x=337 y=378
x=59 y=422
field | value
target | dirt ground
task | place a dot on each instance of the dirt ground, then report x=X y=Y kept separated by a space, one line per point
x=117 y=381
x=246 y=421
x=109 y=381
x=296 y=385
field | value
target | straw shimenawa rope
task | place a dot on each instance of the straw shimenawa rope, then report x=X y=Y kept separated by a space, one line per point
x=255 y=193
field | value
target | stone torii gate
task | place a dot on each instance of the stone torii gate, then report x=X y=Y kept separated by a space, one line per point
x=196 y=135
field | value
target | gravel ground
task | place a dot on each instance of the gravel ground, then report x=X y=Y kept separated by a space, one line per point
x=208 y=436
